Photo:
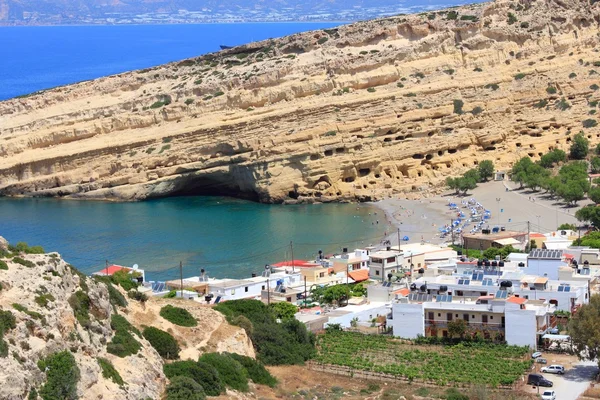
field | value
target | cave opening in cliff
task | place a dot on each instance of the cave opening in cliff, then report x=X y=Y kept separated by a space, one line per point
x=221 y=185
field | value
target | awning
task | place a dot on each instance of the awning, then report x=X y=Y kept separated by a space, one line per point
x=541 y=280
x=507 y=241
x=556 y=337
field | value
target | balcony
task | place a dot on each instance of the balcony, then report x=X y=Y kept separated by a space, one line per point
x=433 y=323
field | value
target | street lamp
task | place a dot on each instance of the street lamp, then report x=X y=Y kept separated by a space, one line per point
x=498 y=201
x=538 y=225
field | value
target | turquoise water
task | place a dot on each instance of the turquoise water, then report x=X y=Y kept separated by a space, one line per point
x=227 y=237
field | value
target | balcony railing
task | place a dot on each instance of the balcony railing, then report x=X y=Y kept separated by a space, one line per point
x=476 y=325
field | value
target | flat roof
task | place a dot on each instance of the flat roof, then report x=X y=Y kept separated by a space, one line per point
x=384 y=254
x=493 y=236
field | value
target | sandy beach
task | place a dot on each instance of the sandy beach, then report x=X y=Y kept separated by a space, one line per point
x=421 y=219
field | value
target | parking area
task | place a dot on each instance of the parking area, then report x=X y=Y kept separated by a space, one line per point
x=573 y=383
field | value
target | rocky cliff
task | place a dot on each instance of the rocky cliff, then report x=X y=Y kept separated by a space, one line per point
x=362 y=112
x=56 y=308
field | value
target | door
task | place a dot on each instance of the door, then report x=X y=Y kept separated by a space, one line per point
x=466 y=317
x=430 y=316
x=484 y=319
x=449 y=316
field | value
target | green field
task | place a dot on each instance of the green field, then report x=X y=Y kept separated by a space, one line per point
x=461 y=364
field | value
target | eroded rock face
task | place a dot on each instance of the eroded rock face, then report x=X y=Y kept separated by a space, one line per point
x=46 y=327
x=356 y=113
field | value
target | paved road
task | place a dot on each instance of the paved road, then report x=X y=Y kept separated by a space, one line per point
x=574 y=382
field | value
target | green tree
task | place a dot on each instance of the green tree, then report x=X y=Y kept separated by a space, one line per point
x=580 y=147
x=519 y=170
x=594 y=194
x=552 y=158
x=592 y=240
x=589 y=214
x=283 y=310
x=486 y=170
x=584 y=329
x=597 y=149
x=595 y=165
x=452 y=184
x=567 y=227
x=202 y=373
x=457 y=328
x=163 y=342
x=535 y=176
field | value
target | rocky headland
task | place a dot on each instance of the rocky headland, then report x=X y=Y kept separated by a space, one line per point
x=47 y=307
x=362 y=112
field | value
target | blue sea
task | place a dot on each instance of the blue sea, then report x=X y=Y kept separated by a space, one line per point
x=42 y=57
x=227 y=237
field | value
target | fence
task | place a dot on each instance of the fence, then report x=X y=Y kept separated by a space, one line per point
x=383 y=377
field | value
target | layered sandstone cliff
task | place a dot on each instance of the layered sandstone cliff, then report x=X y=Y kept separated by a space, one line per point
x=360 y=112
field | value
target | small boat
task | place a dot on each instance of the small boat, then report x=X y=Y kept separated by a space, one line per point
x=223 y=47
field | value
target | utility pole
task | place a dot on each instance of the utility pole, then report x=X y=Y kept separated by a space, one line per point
x=292 y=249
x=106 y=267
x=268 y=292
x=528 y=242
x=399 y=239
x=498 y=201
x=305 y=291
x=181 y=277
x=452 y=229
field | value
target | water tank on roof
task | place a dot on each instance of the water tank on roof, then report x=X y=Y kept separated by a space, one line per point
x=494 y=263
x=421 y=271
x=279 y=282
x=443 y=288
x=487 y=263
x=423 y=288
x=413 y=286
x=563 y=232
x=574 y=262
x=479 y=263
x=501 y=263
x=521 y=264
x=505 y=284
x=586 y=262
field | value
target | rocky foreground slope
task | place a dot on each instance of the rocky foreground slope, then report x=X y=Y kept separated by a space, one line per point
x=44 y=295
x=360 y=112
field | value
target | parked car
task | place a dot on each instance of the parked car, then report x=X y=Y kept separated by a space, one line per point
x=554 y=369
x=541 y=361
x=538 y=380
x=548 y=395
x=536 y=354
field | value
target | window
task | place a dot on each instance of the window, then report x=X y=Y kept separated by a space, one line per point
x=246 y=289
x=456 y=315
x=391 y=259
x=430 y=316
x=491 y=317
x=466 y=317
x=288 y=299
x=449 y=316
x=263 y=287
x=377 y=272
x=472 y=316
x=322 y=275
x=445 y=332
x=439 y=314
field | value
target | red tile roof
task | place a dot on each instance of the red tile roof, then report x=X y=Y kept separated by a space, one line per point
x=359 y=275
x=517 y=300
x=402 y=292
x=112 y=269
x=296 y=263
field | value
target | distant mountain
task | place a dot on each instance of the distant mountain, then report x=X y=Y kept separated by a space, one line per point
x=33 y=12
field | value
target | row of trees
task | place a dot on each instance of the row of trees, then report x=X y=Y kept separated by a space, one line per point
x=470 y=179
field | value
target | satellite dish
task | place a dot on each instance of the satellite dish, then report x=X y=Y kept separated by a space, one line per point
x=135 y=267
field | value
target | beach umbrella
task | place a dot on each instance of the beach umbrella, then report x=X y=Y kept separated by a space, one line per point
x=405 y=238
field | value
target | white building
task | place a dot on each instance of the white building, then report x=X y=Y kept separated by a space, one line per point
x=519 y=321
x=545 y=263
x=382 y=263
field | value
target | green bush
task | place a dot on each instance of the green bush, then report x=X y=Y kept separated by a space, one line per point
x=452 y=15
x=256 y=371
x=3 y=265
x=80 y=303
x=43 y=299
x=520 y=76
x=322 y=40
x=562 y=104
x=109 y=371
x=189 y=102
x=275 y=344
x=589 y=123
x=22 y=247
x=458 y=105
x=32 y=314
x=116 y=298
x=541 y=104
x=454 y=394
x=164 y=343
x=511 y=18
x=594 y=87
x=572 y=75
x=25 y=263
x=62 y=375
x=184 y=388
x=123 y=343
x=7 y=321
x=138 y=296
x=551 y=90
x=231 y=372
x=371 y=90
x=172 y=294
x=178 y=316
x=124 y=279
x=477 y=110
x=202 y=373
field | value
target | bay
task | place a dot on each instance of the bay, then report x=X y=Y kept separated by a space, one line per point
x=227 y=237
x=41 y=57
